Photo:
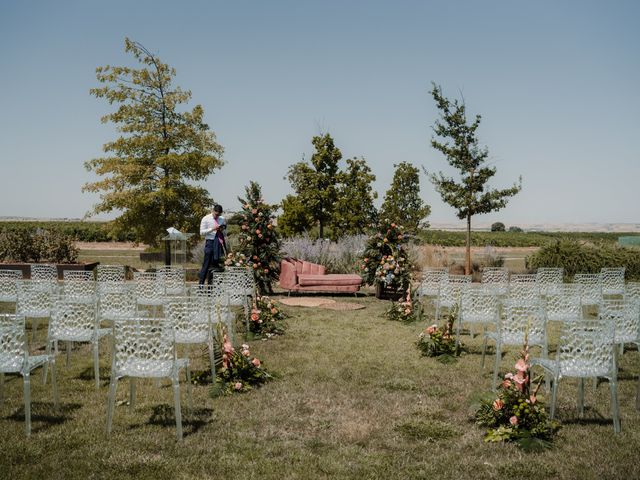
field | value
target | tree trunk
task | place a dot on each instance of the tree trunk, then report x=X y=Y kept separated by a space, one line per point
x=467 y=257
x=321 y=232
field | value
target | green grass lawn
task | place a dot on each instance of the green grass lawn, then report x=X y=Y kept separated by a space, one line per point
x=354 y=399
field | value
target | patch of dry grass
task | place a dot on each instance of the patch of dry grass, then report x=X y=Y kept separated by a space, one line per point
x=354 y=399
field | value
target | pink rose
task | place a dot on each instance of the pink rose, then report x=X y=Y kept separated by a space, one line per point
x=498 y=404
x=238 y=385
x=506 y=383
x=432 y=329
x=256 y=362
x=521 y=366
x=513 y=420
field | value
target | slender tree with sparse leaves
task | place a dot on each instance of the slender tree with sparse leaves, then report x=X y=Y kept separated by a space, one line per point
x=402 y=202
x=259 y=239
x=456 y=139
x=148 y=171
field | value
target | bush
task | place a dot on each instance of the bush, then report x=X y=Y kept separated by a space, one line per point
x=497 y=227
x=514 y=228
x=33 y=246
x=579 y=257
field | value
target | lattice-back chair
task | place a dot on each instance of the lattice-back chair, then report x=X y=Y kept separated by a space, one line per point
x=117 y=305
x=78 y=286
x=632 y=291
x=175 y=279
x=44 y=271
x=238 y=289
x=35 y=300
x=548 y=279
x=516 y=321
x=477 y=306
x=191 y=321
x=612 y=280
x=430 y=284
x=15 y=358
x=9 y=280
x=451 y=288
x=111 y=278
x=76 y=321
x=563 y=303
x=589 y=288
x=146 y=348
x=150 y=290
x=495 y=280
x=523 y=289
x=625 y=315
x=217 y=302
x=585 y=350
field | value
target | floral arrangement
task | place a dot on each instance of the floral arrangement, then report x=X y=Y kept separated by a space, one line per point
x=437 y=341
x=240 y=371
x=259 y=240
x=404 y=310
x=266 y=318
x=236 y=259
x=385 y=260
x=517 y=414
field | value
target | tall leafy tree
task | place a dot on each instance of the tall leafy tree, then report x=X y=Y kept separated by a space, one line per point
x=402 y=202
x=354 y=209
x=315 y=183
x=295 y=219
x=259 y=239
x=456 y=138
x=147 y=172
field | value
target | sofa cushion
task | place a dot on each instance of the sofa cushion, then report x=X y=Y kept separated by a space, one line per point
x=327 y=288
x=309 y=268
x=288 y=277
x=334 y=279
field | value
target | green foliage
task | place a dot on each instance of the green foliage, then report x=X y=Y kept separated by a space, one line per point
x=578 y=257
x=498 y=227
x=79 y=230
x=33 y=246
x=515 y=228
x=385 y=259
x=460 y=147
x=407 y=309
x=516 y=413
x=295 y=220
x=315 y=183
x=402 y=200
x=267 y=320
x=147 y=170
x=354 y=209
x=259 y=239
x=437 y=341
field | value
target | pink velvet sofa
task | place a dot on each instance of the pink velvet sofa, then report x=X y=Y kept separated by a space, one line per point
x=300 y=276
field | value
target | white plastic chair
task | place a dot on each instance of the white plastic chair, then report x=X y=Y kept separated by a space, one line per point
x=548 y=279
x=451 y=288
x=9 y=285
x=78 y=286
x=15 y=358
x=150 y=291
x=563 y=303
x=430 y=284
x=110 y=278
x=191 y=321
x=217 y=303
x=477 y=306
x=117 y=304
x=523 y=289
x=174 y=278
x=495 y=280
x=44 y=271
x=585 y=350
x=146 y=348
x=76 y=321
x=35 y=300
x=589 y=288
x=612 y=280
x=517 y=321
x=625 y=315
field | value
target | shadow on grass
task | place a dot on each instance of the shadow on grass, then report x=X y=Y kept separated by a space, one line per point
x=44 y=415
x=87 y=375
x=192 y=420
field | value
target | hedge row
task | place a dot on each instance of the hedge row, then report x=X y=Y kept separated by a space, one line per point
x=79 y=231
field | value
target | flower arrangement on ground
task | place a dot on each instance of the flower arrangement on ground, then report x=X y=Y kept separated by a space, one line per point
x=259 y=240
x=517 y=414
x=435 y=341
x=240 y=371
x=266 y=318
x=236 y=259
x=385 y=260
x=404 y=310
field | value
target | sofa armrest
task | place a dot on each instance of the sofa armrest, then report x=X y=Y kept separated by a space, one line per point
x=288 y=276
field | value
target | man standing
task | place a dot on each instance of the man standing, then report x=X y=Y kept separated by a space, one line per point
x=212 y=227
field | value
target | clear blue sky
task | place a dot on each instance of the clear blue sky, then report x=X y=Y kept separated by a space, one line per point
x=557 y=84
